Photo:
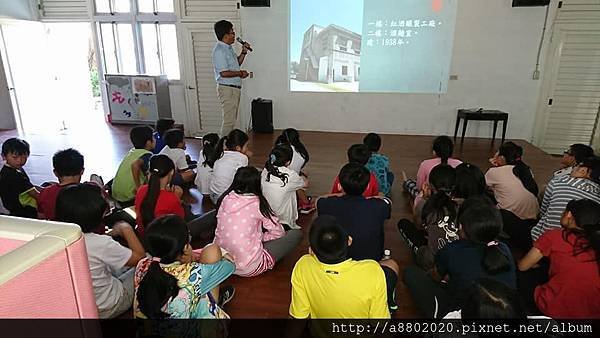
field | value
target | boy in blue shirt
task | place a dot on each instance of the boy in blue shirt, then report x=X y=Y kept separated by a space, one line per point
x=379 y=164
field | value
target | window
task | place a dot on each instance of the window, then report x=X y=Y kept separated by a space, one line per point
x=160 y=49
x=113 y=6
x=344 y=70
x=117 y=43
x=155 y=6
x=138 y=37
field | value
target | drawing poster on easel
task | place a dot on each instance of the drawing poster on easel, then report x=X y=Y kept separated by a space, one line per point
x=128 y=105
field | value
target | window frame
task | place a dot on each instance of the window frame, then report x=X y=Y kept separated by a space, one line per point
x=136 y=19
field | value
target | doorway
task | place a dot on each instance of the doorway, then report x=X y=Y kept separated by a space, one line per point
x=54 y=76
x=569 y=107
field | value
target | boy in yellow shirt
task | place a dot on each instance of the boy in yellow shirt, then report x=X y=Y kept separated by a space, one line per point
x=327 y=284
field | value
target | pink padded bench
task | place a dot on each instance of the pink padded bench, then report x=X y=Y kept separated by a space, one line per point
x=44 y=271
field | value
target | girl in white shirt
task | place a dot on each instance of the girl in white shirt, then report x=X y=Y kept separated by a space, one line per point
x=230 y=154
x=280 y=183
x=300 y=158
x=204 y=171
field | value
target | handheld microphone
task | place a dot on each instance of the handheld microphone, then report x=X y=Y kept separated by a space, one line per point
x=243 y=43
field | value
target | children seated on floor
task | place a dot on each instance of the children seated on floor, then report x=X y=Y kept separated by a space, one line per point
x=230 y=154
x=572 y=157
x=247 y=227
x=437 y=225
x=19 y=195
x=133 y=170
x=364 y=220
x=328 y=283
x=516 y=192
x=280 y=184
x=570 y=288
x=460 y=264
x=68 y=168
x=110 y=262
x=379 y=164
x=204 y=171
x=162 y=125
x=443 y=148
x=582 y=183
x=300 y=157
x=175 y=284
x=175 y=149
x=359 y=154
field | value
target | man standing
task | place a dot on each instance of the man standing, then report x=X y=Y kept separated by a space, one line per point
x=228 y=74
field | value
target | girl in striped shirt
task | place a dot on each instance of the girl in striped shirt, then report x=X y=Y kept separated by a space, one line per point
x=582 y=183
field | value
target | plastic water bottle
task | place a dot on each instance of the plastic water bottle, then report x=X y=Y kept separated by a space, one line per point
x=387 y=254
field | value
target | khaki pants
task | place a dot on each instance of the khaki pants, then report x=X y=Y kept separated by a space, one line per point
x=229 y=98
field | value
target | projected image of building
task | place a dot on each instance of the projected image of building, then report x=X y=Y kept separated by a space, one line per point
x=329 y=55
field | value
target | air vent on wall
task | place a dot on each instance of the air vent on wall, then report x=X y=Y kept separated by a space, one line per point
x=530 y=3
x=256 y=3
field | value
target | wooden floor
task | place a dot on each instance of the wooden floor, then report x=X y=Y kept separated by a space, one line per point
x=268 y=295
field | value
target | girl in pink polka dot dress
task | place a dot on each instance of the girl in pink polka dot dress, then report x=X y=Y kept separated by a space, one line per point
x=247 y=227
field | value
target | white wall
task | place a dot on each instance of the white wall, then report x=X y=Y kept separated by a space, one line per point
x=494 y=57
x=18 y=9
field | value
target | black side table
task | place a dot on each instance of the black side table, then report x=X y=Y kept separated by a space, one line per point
x=480 y=115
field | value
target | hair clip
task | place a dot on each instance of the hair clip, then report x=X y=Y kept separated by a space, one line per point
x=492 y=243
x=155 y=259
x=155 y=170
x=273 y=158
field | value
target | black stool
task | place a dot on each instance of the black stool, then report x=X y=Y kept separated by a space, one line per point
x=480 y=115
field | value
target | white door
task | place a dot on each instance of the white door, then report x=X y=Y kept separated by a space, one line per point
x=204 y=109
x=570 y=101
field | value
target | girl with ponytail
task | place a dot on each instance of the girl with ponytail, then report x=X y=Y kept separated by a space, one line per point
x=300 y=157
x=573 y=288
x=204 y=171
x=231 y=153
x=477 y=254
x=158 y=197
x=515 y=190
x=511 y=154
x=437 y=221
x=442 y=149
x=175 y=283
x=280 y=184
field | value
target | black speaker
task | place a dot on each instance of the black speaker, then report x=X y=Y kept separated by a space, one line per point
x=262 y=116
x=256 y=3
x=530 y=3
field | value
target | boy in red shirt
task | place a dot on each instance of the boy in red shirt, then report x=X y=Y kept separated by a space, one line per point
x=359 y=153
x=68 y=168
